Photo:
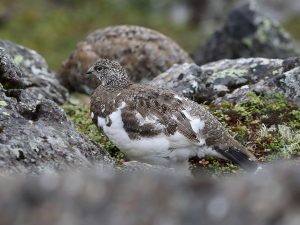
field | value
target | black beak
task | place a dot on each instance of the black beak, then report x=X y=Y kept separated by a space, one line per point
x=90 y=71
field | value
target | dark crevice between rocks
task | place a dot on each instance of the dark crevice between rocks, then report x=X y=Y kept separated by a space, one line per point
x=26 y=113
x=21 y=156
x=32 y=115
x=10 y=84
x=290 y=63
x=36 y=115
x=233 y=87
x=14 y=93
x=180 y=77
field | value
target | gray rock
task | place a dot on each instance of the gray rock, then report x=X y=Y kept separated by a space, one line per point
x=23 y=68
x=132 y=167
x=35 y=134
x=143 y=52
x=246 y=33
x=271 y=197
x=217 y=79
x=287 y=83
x=41 y=138
x=186 y=79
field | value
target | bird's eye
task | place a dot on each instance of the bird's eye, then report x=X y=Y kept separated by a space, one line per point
x=98 y=68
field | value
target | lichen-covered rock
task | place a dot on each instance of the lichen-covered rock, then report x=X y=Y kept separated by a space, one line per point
x=143 y=52
x=35 y=134
x=271 y=197
x=42 y=139
x=23 y=68
x=213 y=80
x=186 y=79
x=246 y=33
x=286 y=83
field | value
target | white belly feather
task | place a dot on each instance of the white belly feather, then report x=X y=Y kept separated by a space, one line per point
x=159 y=149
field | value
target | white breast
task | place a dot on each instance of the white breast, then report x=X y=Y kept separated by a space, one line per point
x=159 y=149
x=154 y=150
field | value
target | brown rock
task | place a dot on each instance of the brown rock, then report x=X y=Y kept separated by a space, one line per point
x=143 y=52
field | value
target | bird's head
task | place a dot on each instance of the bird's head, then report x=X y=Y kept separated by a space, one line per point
x=109 y=73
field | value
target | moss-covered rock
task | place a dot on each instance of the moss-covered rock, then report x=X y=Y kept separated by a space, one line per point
x=232 y=79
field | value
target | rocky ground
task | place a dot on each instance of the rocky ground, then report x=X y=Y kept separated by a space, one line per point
x=94 y=197
x=57 y=168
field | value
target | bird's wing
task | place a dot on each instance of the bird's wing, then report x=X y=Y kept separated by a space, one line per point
x=150 y=112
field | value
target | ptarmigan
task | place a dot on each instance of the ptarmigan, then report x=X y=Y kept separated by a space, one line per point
x=157 y=126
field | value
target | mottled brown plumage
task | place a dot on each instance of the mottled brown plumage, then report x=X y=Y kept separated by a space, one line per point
x=143 y=52
x=148 y=113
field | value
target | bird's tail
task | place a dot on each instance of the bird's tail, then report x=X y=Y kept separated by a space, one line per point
x=240 y=156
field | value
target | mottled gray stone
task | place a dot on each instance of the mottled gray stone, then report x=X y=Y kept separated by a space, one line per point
x=247 y=32
x=286 y=83
x=35 y=134
x=41 y=138
x=23 y=68
x=221 y=78
x=270 y=197
x=186 y=79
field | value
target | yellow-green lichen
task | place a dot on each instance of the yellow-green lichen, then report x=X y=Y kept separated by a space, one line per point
x=263 y=32
x=18 y=59
x=3 y=103
x=232 y=72
x=286 y=143
x=269 y=32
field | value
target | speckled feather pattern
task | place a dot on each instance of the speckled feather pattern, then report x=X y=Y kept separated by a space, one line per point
x=145 y=121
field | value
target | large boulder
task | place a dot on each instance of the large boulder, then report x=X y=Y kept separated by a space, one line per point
x=143 y=52
x=211 y=81
x=35 y=134
x=287 y=83
x=247 y=32
x=29 y=71
x=271 y=197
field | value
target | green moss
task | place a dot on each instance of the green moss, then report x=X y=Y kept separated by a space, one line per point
x=80 y=115
x=269 y=126
x=261 y=123
x=292 y=26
